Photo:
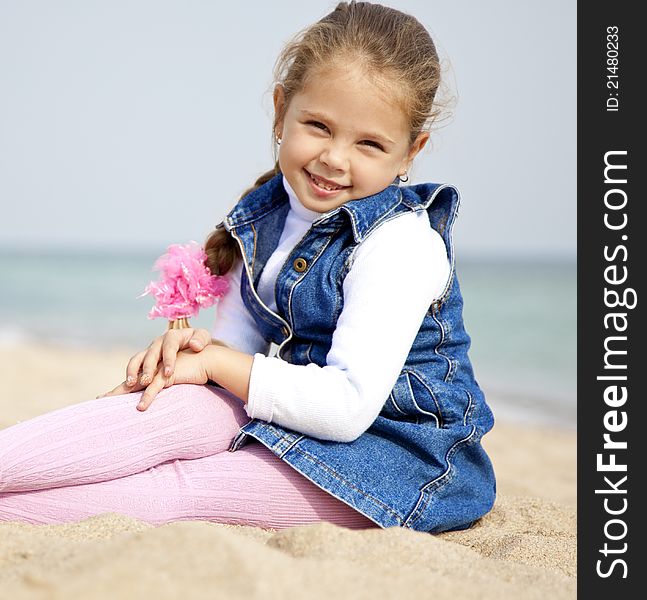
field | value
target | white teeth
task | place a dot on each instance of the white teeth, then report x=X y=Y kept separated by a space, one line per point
x=323 y=185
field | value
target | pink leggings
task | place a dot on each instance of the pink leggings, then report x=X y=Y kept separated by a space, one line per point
x=169 y=463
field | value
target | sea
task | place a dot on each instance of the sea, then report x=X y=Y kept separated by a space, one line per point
x=521 y=317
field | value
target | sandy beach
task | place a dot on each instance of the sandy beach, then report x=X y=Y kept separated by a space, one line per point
x=524 y=549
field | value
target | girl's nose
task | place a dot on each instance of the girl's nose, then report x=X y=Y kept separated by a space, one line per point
x=334 y=157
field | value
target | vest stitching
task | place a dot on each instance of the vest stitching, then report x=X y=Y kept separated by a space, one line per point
x=252 y=215
x=339 y=281
x=452 y=370
x=343 y=272
x=292 y=445
x=277 y=433
x=426 y=491
x=450 y=280
x=347 y=483
x=261 y=314
x=450 y=237
x=348 y=264
x=440 y=343
x=470 y=407
x=253 y=250
x=356 y=234
x=413 y=399
x=395 y=404
x=431 y=393
x=251 y=287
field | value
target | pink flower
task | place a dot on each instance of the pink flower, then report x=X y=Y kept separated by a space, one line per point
x=186 y=284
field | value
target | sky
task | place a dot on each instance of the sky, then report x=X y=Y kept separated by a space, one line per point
x=137 y=124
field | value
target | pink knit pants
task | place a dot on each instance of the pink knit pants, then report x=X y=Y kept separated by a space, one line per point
x=168 y=463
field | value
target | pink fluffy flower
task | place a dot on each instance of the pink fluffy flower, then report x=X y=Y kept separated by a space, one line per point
x=186 y=284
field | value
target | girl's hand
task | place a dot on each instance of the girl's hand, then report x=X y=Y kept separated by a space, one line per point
x=189 y=368
x=143 y=366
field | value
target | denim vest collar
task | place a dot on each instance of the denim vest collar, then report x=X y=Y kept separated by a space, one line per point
x=364 y=213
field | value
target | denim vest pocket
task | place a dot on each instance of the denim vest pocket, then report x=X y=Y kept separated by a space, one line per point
x=412 y=400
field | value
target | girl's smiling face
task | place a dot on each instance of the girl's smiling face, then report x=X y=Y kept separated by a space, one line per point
x=343 y=138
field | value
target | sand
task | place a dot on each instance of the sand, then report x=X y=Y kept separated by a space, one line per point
x=524 y=549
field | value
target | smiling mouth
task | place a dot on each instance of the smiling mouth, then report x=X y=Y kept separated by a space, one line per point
x=324 y=185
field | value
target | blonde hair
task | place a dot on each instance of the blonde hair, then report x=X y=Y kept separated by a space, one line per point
x=392 y=46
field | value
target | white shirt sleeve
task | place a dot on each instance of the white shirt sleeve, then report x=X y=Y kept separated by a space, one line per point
x=234 y=326
x=398 y=271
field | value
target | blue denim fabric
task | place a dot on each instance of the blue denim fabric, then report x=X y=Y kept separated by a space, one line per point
x=420 y=464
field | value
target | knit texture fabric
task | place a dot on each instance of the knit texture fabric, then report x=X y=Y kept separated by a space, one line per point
x=168 y=463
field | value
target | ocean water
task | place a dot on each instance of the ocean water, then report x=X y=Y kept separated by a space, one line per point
x=521 y=317
x=522 y=321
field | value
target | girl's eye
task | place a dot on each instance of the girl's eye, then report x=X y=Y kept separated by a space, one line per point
x=316 y=124
x=372 y=144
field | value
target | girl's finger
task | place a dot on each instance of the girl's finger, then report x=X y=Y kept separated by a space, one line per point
x=133 y=367
x=200 y=339
x=122 y=388
x=173 y=341
x=154 y=388
x=152 y=357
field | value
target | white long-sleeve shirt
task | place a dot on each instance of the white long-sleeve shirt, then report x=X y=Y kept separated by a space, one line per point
x=397 y=272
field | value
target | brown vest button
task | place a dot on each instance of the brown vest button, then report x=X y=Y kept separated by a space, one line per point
x=300 y=265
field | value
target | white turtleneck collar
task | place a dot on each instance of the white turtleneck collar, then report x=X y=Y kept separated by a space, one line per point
x=305 y=214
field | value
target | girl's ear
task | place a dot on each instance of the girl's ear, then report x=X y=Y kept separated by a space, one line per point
x=279 y=108
x=418 y=144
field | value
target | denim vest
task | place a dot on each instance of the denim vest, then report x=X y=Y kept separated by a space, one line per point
x=420 y=465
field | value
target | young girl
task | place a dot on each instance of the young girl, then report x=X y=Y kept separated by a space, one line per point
x=340 y=345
